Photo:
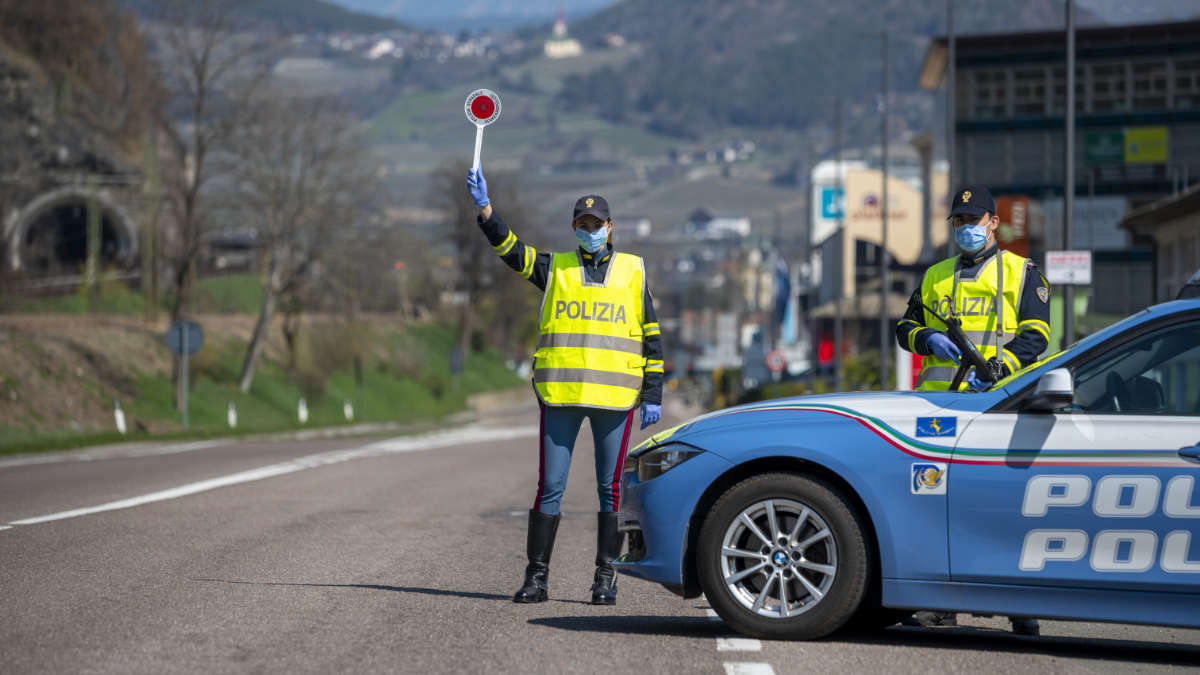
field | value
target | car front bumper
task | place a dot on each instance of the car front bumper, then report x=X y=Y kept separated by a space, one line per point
x=655 y=517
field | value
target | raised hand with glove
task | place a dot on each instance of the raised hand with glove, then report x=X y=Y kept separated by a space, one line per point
x=943 y=348
x=651 y=413
x=477 y=187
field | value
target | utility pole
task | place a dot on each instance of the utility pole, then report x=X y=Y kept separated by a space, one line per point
x=951 y=115
x=885 y=277
x=1069 y=174
x=839 y=252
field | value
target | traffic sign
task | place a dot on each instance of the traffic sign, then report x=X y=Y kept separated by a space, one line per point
x=482 y=108
x=1073 y=268
x=185 y=338
x=775 y=361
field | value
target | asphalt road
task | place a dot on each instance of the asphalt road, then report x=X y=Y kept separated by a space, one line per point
x=398 y=555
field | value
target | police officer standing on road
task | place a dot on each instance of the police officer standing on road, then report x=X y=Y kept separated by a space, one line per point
x=599 y=351
x=1004 y=304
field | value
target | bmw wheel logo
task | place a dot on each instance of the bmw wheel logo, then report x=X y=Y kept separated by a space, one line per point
x=780 y=558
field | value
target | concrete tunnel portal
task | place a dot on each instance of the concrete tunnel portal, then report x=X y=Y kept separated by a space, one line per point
x=49 y=236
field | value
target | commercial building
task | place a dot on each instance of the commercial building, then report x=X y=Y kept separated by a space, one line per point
x=1137 y=97
x=1172 y=224
x=847 y=241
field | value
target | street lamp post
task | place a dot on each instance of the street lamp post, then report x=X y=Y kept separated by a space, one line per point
x=839 y=252
x=1069 y=174
x=951 y=112
x=885 y=279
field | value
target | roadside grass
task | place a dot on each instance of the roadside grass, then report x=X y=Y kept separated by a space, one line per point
x=234 y=293
x=410 y=384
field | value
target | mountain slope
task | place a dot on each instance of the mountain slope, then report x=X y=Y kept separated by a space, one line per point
x=292 y=16
x=713 y=63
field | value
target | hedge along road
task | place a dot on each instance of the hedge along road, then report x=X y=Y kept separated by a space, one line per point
x=397 y=555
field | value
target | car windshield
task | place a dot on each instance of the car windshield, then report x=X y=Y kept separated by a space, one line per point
x=1085 y=343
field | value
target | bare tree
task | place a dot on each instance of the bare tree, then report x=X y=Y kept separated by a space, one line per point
x=302 y=174
x=96 y=59
x=510 y=300
x=202 y=59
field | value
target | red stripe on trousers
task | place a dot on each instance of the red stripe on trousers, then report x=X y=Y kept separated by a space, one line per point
x=616 y=482
x=537 y=501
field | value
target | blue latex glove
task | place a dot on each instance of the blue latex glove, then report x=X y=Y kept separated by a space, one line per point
x=477 y=186
x=977 y=384
x=651 y=413
x=943 y=348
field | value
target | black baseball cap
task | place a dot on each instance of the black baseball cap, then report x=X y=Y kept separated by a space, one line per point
x=594 y=205
x=973 y=200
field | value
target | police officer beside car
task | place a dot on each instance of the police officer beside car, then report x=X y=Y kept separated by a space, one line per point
x=599 y=355
x=1003 y=302
x=1001 y=298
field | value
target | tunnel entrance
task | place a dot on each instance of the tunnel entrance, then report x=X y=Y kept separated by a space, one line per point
x=49 y=236
x=56 y=241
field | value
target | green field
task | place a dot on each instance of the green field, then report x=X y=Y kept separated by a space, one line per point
x=235 y=293
x=422 y=126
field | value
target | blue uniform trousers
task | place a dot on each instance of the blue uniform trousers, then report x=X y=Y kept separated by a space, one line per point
x=559 y=428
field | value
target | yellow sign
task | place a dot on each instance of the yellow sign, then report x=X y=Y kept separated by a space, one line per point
x=1145 y=145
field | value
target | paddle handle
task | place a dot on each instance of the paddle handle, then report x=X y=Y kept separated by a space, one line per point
x=478 y=145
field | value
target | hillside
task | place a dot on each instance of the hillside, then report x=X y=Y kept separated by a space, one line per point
x=714 y=63
x=62 y=369
x=291 y=16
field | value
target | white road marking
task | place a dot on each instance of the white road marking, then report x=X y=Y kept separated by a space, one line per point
x=712 y=614
x=749 y=669
x=461 y=436
x=119 y=452
x=5 y=527
x=735 y=644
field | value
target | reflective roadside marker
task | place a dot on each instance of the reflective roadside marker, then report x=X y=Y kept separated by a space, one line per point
x=482 y=108
x=119 y=416
x=302 y=411
x=231 y=415
x=348 y=411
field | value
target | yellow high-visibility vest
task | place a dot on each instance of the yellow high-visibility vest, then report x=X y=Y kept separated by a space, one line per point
x=590 y=335
x=989 y=300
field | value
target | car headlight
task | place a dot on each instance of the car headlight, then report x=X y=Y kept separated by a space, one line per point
x=657 y=461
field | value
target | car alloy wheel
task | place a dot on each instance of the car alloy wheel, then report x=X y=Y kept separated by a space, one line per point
x=778 y=558
x=785 y=556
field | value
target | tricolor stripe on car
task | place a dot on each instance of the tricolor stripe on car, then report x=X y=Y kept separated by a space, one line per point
x=937 y=453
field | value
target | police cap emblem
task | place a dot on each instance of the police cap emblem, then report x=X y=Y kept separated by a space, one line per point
x=588 y=202
x=966 y=196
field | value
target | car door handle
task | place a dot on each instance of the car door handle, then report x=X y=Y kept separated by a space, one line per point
x=1191 y=452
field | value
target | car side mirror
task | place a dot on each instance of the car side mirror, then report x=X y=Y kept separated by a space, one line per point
x=1055 y=390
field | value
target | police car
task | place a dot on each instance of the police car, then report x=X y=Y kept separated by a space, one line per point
x=1069 y=490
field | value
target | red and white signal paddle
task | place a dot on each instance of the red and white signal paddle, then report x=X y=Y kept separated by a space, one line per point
x=483 y=108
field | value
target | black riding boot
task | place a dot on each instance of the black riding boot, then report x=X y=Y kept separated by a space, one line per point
x=539 y=543
x=608 y=549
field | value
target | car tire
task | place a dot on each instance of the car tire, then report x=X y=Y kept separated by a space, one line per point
x=812 y=576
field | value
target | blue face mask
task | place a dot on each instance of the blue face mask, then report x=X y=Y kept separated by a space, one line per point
x=971 y=238
x=592 y=241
